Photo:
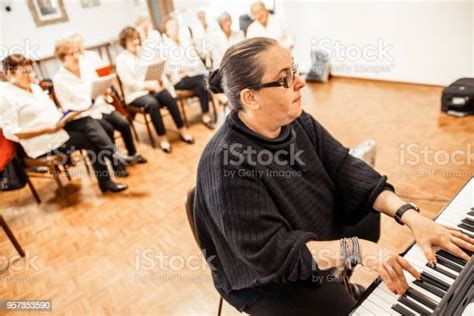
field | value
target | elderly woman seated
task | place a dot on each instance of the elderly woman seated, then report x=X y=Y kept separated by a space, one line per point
x=148 y=94
x=32 y=119
x=73 y=85
x=185 y=67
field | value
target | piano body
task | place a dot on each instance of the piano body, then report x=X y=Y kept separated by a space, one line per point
x=446 y=289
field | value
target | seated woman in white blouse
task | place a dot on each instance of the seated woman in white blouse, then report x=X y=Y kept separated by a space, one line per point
x=31 y=118
x=185 y=67
x=150 y=95
x=72 y=86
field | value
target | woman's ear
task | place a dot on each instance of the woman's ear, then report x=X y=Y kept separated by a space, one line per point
x=247 y=97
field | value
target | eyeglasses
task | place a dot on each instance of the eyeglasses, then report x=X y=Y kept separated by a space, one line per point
x=287 y=81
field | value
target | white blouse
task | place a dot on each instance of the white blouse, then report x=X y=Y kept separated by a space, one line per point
x=219 y=43
x=275 y=29
x=132 y=71
x=22 y=111
x=74 y=93
x=182 y=60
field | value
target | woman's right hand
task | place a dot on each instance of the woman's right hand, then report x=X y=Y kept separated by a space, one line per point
x=388 y=264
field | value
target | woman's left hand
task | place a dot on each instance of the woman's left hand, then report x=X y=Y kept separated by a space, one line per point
x=430 y=235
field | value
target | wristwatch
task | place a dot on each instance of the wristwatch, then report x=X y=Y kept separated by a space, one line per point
x=403 y=209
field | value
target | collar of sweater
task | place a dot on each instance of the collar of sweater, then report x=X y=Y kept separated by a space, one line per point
x=287 y=135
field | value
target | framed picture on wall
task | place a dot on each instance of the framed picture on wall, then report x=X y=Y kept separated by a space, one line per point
x=46 y=12
x=89 y=3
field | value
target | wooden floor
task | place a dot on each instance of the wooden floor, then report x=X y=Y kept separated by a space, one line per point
x=124 y=253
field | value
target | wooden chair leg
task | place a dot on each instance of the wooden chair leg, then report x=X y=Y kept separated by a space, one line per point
x=86 y=163
x=33 y=190
x=12 y=238
x=134 y=131
x=66 y=171
x=183 y=111
x=219 y=310
x=148 y=128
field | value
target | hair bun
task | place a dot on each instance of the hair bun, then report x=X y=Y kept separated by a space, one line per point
x=215 y=81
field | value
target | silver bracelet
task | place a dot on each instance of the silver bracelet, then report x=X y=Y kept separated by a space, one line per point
x=350 y=251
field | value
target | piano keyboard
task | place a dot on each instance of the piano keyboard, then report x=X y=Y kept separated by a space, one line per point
x=423 y=296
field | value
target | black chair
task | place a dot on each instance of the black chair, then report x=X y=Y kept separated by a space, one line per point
x=190 y=213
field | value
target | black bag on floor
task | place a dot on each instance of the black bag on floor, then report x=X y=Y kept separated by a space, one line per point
x=458 y=97
x=13 y=177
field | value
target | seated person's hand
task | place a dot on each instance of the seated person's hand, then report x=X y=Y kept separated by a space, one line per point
x=430 y=235
x=388 y=264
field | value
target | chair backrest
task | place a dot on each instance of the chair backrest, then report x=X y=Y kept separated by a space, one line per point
x=190 y=212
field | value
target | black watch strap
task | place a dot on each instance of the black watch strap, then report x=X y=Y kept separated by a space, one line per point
x=403 y=209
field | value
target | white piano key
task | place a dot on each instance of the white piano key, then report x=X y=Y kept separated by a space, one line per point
x=395 y=298
x=363 y=311
x=377 y=310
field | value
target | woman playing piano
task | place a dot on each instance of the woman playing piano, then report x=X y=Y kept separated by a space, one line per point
x=275 y=192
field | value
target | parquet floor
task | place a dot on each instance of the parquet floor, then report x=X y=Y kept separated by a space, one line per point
x=125 y=254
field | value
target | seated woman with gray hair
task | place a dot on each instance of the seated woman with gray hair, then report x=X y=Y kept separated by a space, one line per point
x=275 y=190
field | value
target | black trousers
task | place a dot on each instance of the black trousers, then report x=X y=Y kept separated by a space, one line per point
x=153 y=102
x=325 y=296
x=94 y=132
x=116 y=121
x=77 y=141
x=199 y=86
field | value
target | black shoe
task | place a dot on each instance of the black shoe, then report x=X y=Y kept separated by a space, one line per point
x=119 y=169
x=188 y=141
x=133 y=159
x=141 y=159
x=113 y=187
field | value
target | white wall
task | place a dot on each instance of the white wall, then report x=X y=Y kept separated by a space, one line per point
x=425 y=41
x=97 y=24
x=428 y=41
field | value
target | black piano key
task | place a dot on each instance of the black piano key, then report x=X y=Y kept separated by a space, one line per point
x=468 y=221
x=467 y=224
x=412 y=305
x=420 y=297
x=430 y=288
x=425 y=276
x=451 y=257
x=466 y=227
x=448 y=263
x=402 y=310
x=442 y=271
x=471 y=212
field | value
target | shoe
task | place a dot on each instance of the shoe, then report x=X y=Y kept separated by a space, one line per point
x=131 y=160
x=113 y=187
x=119 y=169
x=188 y=140
x=140 y=159
x=166 y=147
